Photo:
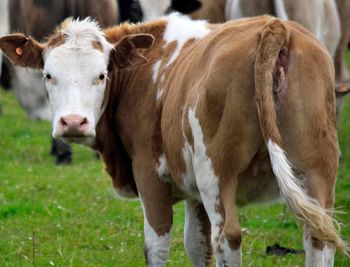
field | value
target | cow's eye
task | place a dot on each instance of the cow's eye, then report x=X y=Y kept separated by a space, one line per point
x=47 y=76
x=102 y=77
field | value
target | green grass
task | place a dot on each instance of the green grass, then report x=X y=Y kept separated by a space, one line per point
x=69 y=216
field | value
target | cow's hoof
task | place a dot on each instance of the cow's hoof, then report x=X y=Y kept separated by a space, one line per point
x=63 y=160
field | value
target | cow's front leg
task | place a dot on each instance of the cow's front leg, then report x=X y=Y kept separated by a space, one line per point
x=156 y=198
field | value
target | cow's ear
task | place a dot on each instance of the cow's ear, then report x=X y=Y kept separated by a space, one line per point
x=23 y=51
x=126 y=53
x=186 y=6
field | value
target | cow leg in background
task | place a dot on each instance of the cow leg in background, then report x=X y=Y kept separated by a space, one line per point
x=197 y=234
x=157 y=201
x=61 y=151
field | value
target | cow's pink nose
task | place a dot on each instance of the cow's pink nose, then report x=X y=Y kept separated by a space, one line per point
x=73 y=125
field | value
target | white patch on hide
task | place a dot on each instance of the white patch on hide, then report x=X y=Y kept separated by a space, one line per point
x=182 y=29
x=207 y=181
x=155 y=70
x=163 y=169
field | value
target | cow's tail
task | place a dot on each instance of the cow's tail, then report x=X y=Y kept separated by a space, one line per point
x=272 y=48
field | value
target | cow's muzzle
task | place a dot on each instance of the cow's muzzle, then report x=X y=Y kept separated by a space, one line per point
x=73 y=126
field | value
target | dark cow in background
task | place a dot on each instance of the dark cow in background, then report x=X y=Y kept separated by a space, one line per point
x=154 y=9
x=38 y=18
x=182 y=109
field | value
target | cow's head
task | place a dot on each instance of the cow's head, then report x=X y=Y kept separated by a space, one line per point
x=153 y=9
x=75 y=63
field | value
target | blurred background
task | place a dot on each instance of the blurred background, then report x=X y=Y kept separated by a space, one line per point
x=57 y=207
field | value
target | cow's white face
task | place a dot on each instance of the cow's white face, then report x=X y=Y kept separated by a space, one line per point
x=75 y=79
x=74 y=63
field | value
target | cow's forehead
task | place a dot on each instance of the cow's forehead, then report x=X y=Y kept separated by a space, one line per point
x=79 y=35
x=65 y=59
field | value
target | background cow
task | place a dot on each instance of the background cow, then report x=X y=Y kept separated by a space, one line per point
x=341 y=69
x=319 y=16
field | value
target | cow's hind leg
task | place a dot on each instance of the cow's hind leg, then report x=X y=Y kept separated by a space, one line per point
x=219 y=202
x=319 y=253
x=197 y=234
x=218 y=196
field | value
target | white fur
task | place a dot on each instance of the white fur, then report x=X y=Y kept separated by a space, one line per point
x=208 y=185
x=315 y=257
x=229 y=257
x=207 y=181
x=75 y=67
x=163 y=169
x=281 y=9
x=195 y=240
x=160 y=89
x=233 y=9
x=159 y=94
x=157 y=247
x=181 y=29
x=287 y=182
x=155 y=70
x=189 y=183
x=153 y=9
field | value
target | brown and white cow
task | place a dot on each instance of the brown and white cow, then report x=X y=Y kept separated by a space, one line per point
x=182 y=109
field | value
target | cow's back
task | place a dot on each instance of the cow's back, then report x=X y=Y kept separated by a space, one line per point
x=215 y=78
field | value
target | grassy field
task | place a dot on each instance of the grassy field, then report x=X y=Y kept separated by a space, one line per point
x=69 y=216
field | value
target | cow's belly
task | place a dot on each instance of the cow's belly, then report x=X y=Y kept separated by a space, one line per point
x=256 y=189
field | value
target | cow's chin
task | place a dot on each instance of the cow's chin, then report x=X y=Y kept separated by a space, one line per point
x=81 y=140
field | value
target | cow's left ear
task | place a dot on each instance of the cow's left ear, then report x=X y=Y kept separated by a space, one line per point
x=23 y=51
x=126 y=53
x=186 y=6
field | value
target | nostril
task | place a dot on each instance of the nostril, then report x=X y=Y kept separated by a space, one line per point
x=63 y=122
x=84 y=122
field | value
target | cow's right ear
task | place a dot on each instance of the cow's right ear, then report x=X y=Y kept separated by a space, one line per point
x=126 y=53
x=23 y=51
